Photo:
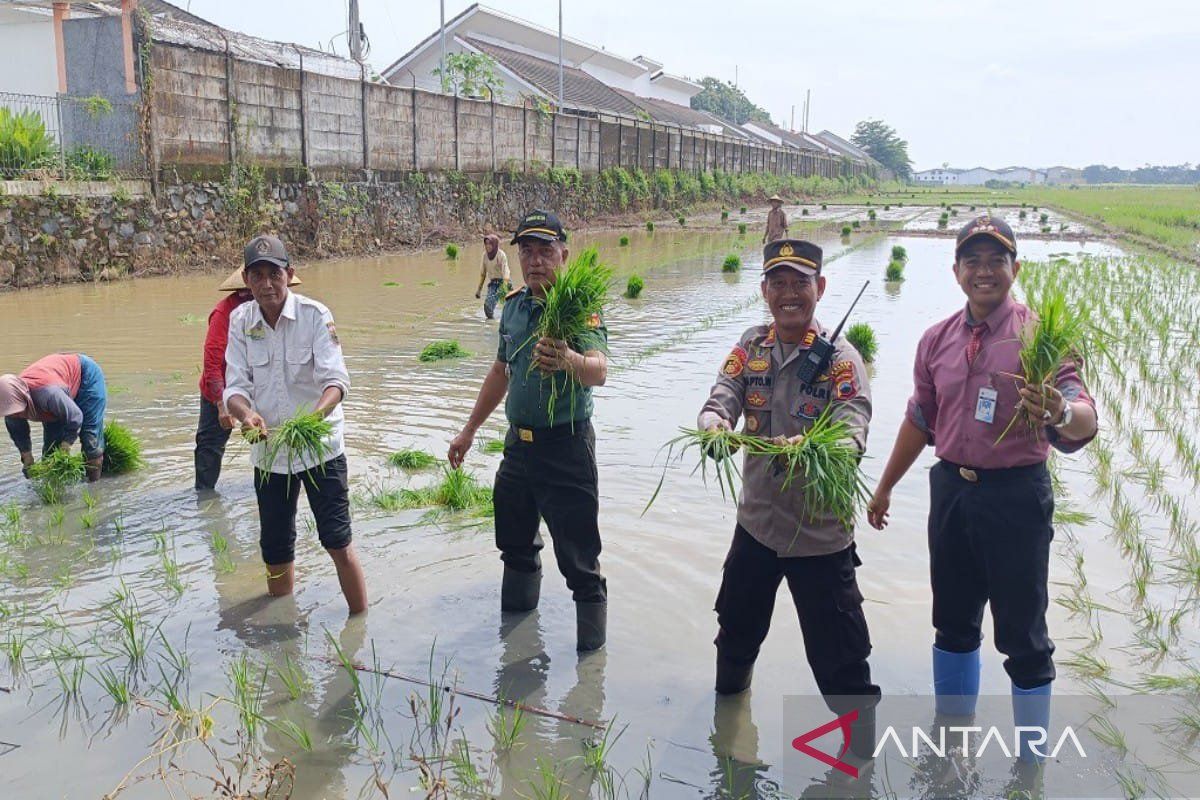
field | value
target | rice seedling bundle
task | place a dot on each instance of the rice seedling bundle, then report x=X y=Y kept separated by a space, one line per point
x=742 y=228
x=300 y=438
x=634 y=286
x=54 y=473
x=682 y=220
x=887 y=208
x=895 y=271
x=649 y=226
x=871 y=215
x=804 y=212
x=493 y=446
x=452 y=251
x=436 y=351
x=570 y=308
x=724 y=216
x=122 y=450
x=411 y=459
x=624 y=241
x=743 y=209
x=855 y=224
x=732 y=263
x=824 y=206
x=899 y=253
x=1061 y=332
x=862 y=336
x=846 y=231
x=825 y=462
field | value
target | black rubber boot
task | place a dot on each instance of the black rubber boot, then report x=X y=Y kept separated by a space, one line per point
x=591 y=626
x=862 y=734
x=519 y=591
x=732 y=677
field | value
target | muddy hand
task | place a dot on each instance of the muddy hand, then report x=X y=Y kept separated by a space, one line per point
x=1043 y=402
x=551 y=355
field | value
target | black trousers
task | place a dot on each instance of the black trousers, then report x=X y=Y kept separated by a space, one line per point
x=328 y=491
x=989 y=542
x=552 y=478
x=211 y=439
x=828 y=602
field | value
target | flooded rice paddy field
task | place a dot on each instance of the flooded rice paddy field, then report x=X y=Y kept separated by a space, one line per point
x=141 y=587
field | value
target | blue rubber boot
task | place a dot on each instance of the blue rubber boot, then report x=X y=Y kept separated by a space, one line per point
x=1031 y=709
x=956 y=682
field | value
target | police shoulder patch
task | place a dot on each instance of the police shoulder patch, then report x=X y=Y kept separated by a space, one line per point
x=752 y=423
x=329 y=326
x=734 y=363
x=845 y=387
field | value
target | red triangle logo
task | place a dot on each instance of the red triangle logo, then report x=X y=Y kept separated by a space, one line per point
x=844 y=722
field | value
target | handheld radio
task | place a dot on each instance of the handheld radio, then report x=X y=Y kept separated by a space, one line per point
x=816 y=360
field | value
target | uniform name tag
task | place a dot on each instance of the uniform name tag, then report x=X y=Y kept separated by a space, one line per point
x=985 y=406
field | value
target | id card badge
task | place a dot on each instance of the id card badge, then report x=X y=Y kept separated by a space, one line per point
x=985 y=406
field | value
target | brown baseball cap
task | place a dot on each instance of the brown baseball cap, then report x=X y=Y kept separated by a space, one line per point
x=987 y=225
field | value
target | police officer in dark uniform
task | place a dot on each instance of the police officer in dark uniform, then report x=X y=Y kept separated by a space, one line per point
x=549 y=466
x=777 y=536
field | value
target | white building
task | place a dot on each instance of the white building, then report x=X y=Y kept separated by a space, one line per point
x=977 y=176
x=1022 y=175
x=526 y=57
x=937 y=177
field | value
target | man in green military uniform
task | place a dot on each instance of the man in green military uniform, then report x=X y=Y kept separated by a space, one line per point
x=549 y=466
x=777 y=535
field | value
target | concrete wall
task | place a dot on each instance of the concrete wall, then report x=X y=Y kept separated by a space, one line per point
x=212 y=110
x=96 y=68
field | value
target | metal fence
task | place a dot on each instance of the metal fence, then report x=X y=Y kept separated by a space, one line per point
x=69 y=138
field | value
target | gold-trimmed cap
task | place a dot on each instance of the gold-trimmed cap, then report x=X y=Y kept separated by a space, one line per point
x=538 y=224
x=987 y=225
x=802 y=256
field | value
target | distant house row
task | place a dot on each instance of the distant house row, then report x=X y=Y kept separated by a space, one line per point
x=979 y=176
x=594 y=80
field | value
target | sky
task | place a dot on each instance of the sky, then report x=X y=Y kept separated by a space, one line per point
x=966 y=83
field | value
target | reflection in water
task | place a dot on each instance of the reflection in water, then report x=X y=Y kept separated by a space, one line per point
x=734 y=739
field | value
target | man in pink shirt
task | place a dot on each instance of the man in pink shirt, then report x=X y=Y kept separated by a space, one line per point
x=991 y=505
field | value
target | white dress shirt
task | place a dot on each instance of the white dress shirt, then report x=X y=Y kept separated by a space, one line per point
x=286 y=369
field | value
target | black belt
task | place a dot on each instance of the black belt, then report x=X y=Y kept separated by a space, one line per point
x=1006 y=475
x=536 y=435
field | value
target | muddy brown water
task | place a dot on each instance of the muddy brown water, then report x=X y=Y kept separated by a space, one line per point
x=434 y=585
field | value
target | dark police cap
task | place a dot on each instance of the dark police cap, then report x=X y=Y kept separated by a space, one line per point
x=802 y=256
x=265 y=248
x=542 y=225
x=986 y=225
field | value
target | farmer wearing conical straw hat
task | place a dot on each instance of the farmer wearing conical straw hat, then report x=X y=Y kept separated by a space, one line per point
x=284 y=355
x=777 y=534
x=549 y=470
x=212 y=430
x=777 y=223
x=992 y=505
x=494 y=270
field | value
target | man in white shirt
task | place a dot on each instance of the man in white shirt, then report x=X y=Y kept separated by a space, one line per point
x=283 y=355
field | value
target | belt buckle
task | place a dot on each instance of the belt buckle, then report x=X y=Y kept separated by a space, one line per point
x=525 y=434
x=968 y=474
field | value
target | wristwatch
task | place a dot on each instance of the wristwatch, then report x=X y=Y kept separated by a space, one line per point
x=1066 y=416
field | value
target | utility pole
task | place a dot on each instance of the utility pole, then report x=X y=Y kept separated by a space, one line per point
x=560 y=56
x=356 y=50
x=442 y=33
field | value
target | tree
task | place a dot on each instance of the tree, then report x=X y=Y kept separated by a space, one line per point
x=470 y=74
x=728 y=102
x=880 y=140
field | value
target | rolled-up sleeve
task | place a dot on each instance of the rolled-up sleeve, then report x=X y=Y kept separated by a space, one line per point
x=1070 y=383
x=922 y=405
x=237 y=366
x=329 y=366
x=728 y=395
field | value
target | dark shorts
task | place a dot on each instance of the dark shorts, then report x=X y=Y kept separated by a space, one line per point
x=328 y=490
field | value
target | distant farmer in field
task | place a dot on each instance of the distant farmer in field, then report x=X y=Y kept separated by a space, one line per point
x=494 y=271
x=548 y=471
x=991 y=504
x=777 y=536
x=777 y=224
x=284 y=355
x=66 y=393
x=212 y=432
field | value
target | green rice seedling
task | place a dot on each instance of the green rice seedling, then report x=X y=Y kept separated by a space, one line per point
x=1067 y=516
x=460 y=491
x=390 y=283
x=871 y=215
x=429 y=283
x=649 y=226
x=943 y=221
x=1062 y=332
x=411 y=459
x=505 y=724
x=596 y=754
x=468 y=781
x=87 y=520
x=1107 y=733
x=122 y=450
x=14 y=648
x=114 y=685
x=131 y=637
x=493 y=446
x=548 y=783
x=224 y=560
x=452 y=251
x=1043 y=218
x=70 y=672
x=442 y=349
x=682 y=220
x=804 y=212
x=846 y=231
x=824 y=206
x=855 y=224
x=1088 y=666
x=1022 y=214
x=570 y=308
x=170 y=571
x=246 y=682
x=634 y=287
x=89 y=499
x=300 y=438
x=624 y=241
x=742 y=228
x=297 y=733
x=293 y=678
x=724 y=215
x=894 y=272
x=176 y=657
x=1187 y=682
x=1132 y=787
x=732 y=263
x=954 y=212
x=899 y=253
x=862 y=336
x=53 y=474
x=743 y=209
